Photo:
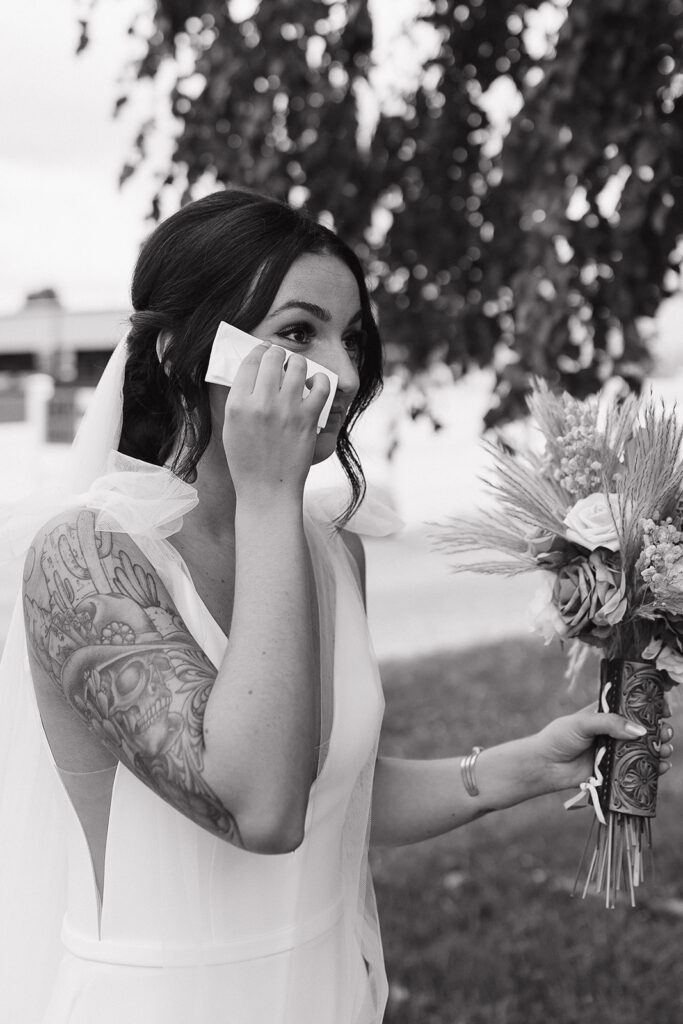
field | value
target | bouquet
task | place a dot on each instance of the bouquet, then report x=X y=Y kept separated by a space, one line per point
x=595 y=503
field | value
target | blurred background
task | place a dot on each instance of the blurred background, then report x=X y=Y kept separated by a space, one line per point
x=509 y=172
x=511 y=175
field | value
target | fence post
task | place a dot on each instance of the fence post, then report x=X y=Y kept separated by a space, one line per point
x=61 y=414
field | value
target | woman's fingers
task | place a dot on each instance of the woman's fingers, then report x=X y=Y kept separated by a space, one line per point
x=270 y=371
x=665 y=747
x=666 y=733
x=319 y=385
x=608 y=724
x=594 y=723
x=294 y=377
x=295 y=380
x=269 y=376
x=248 y=370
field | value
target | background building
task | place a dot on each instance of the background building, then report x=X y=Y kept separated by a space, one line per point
x=72 y=347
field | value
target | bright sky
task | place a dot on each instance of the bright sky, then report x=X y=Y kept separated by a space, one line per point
x=63 y=221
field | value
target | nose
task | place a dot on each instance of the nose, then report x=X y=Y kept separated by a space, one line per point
x=341 y=362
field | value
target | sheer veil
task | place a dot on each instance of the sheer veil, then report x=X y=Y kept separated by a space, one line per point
x=32 y=833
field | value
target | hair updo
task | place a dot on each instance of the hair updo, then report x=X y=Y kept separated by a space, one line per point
x=219 y=258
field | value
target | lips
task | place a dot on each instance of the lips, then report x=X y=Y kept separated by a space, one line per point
x=335 y=419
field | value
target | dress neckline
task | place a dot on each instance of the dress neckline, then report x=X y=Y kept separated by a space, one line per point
x=327 y=720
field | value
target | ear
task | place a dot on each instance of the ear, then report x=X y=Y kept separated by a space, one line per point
x=163 y=338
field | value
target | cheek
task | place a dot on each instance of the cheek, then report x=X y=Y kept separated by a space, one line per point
x=325 y=446
x=218 y=396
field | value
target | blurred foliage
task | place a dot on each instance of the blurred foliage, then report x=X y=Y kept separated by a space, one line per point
x=536 y=248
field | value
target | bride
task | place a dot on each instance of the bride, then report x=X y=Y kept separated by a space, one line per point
x=208 y=701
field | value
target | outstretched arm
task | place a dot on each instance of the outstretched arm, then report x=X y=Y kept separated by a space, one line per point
x=416 y=800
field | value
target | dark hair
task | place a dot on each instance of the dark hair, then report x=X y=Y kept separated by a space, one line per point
x=197 y=268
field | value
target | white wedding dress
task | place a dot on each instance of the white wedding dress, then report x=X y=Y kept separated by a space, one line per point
x=189 y=929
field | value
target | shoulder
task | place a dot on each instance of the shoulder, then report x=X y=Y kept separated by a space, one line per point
x=73 y=542
x=56 y=551
x=72 y=554
x=74 y=527
x=84 y=586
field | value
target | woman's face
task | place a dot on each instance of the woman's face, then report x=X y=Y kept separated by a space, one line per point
x=317 y=313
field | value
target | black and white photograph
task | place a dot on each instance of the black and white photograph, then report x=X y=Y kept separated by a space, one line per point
x=341 y=519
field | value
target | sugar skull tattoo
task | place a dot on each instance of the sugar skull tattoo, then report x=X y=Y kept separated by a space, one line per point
x=125 y=662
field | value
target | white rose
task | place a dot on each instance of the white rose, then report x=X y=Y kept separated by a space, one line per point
x=665 y=659
x=545 y=618
x=591 y=522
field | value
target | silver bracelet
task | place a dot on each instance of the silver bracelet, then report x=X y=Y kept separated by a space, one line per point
x=467 y=767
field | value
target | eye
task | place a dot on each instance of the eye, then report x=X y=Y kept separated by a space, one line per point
x=355 y=341
x=299 y=333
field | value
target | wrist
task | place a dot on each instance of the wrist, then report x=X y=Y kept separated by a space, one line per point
x=270 y=503
x=508 y=774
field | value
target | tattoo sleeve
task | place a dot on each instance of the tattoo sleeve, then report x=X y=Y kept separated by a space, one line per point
x=103 y=628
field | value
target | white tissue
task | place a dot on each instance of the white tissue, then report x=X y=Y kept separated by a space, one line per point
x=229 y=348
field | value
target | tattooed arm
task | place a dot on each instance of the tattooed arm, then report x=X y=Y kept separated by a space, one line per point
x=104 y=631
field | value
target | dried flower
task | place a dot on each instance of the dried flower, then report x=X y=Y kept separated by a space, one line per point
x=609 y=474
x=590 y=594
x=665 y=659
x=660 y=564
x=575 y=456
x=538 y=542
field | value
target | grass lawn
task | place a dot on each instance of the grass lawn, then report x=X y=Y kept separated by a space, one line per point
x=479 y=926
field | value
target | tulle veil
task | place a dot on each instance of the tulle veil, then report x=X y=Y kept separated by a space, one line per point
x=33 y=852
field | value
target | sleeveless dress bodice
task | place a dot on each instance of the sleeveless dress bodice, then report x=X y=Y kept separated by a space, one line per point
x=192 y=930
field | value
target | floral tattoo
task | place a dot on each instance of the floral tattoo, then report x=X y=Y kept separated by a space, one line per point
x=126 y=663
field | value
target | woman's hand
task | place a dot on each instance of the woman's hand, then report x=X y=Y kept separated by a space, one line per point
x=269 y=431
x=565 y=747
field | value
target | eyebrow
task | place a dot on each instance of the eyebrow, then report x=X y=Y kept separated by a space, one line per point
x=317 y=311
